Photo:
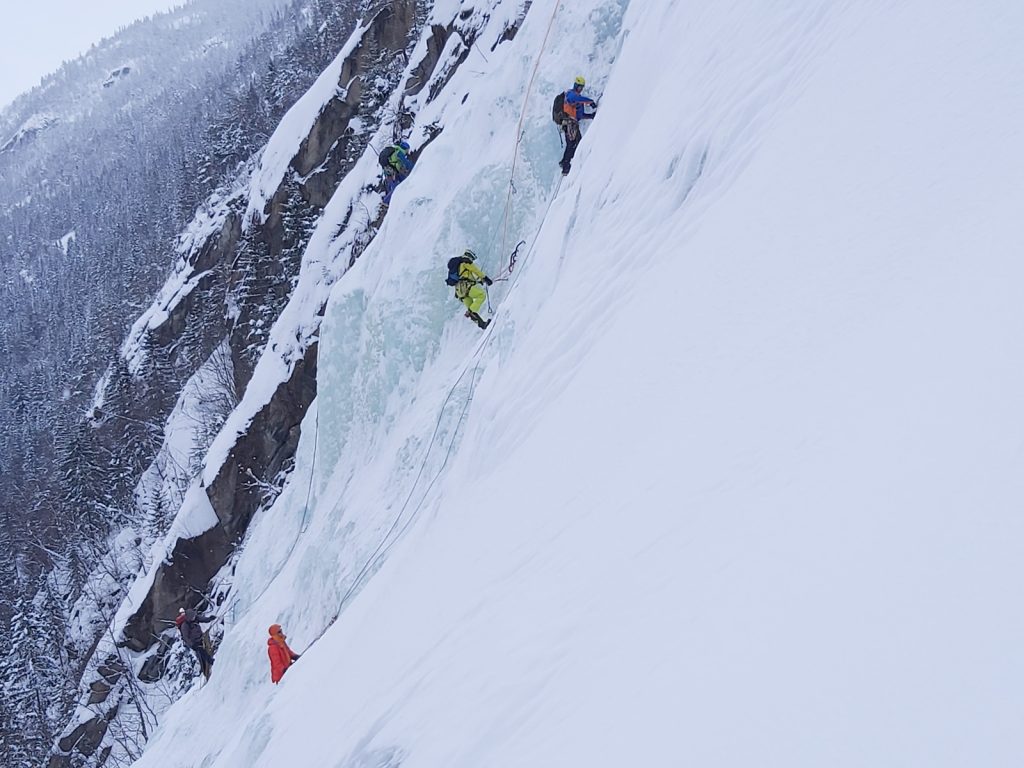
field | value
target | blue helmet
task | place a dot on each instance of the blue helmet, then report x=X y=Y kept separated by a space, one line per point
x=404 y=145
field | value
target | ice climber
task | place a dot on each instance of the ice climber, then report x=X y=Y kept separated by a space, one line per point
x=573 y=111
x=281 y=656
x=397 y=165
x=467 y=277
x=192 y=636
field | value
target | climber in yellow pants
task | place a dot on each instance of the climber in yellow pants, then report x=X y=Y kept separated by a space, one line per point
x=467 y=278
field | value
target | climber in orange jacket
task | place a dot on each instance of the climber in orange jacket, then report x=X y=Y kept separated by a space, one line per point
x=281 y=656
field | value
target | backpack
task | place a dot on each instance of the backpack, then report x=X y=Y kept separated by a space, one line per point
x=558 y=108
x=453 y=269
x=384 y=158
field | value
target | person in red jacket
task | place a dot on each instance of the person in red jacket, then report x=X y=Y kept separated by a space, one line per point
x=281 y=656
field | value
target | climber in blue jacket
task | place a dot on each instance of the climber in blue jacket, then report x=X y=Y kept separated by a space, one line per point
x=397 y=165
x=574 y=106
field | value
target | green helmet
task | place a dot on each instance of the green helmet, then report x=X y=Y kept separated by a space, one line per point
x=580 y=80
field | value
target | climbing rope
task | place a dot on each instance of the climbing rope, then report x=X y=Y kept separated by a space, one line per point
x=394 y=533
x=303 y=524
x=515 y=254
x=448 y=453
x=386 y=541
x=519 y=126
x=508 y=204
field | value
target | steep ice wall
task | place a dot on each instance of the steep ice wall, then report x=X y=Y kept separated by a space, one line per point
x=732 y=479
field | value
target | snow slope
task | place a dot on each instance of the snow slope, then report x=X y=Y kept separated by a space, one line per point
x=734 y=477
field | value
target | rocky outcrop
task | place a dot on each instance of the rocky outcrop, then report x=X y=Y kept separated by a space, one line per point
x=270 y=253
x=245 y=273
x=253 y=272
x=262 y=452
x=28 y=132
x=466 y=29
x=268 y=256
x=155 y=666
x=435 y=47
x=199 y=318
x=84 y=739
x=111 y=672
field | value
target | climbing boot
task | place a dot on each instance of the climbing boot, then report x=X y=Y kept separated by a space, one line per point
x=477 y=319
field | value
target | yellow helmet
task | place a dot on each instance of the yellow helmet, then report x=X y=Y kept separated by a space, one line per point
x=579 y=80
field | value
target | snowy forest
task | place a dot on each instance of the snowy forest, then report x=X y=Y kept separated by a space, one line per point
x=101 y=168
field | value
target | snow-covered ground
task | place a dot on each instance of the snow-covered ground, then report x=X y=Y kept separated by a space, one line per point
x=733 y=479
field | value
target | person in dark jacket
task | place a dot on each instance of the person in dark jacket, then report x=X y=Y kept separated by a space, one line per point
x=188 y=622
x=575 y=112
x=281 y=656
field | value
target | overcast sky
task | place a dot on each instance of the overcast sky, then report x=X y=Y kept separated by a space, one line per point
x=37 y=36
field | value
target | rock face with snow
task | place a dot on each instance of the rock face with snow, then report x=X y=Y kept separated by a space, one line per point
x=690 y=479
x=117 y=74
x=268 y=251
x=329 y=149
x=28 y=131
x=240 y=259
x=91 y=201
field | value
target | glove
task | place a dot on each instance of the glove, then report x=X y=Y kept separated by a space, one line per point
x=488 y=281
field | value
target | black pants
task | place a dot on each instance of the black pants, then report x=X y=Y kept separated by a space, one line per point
x=205 y=659
x=571 y=129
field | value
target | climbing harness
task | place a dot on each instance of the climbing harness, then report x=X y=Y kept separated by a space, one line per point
x=522 y=117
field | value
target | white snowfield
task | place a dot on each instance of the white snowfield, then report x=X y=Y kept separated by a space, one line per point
x=736 y=476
